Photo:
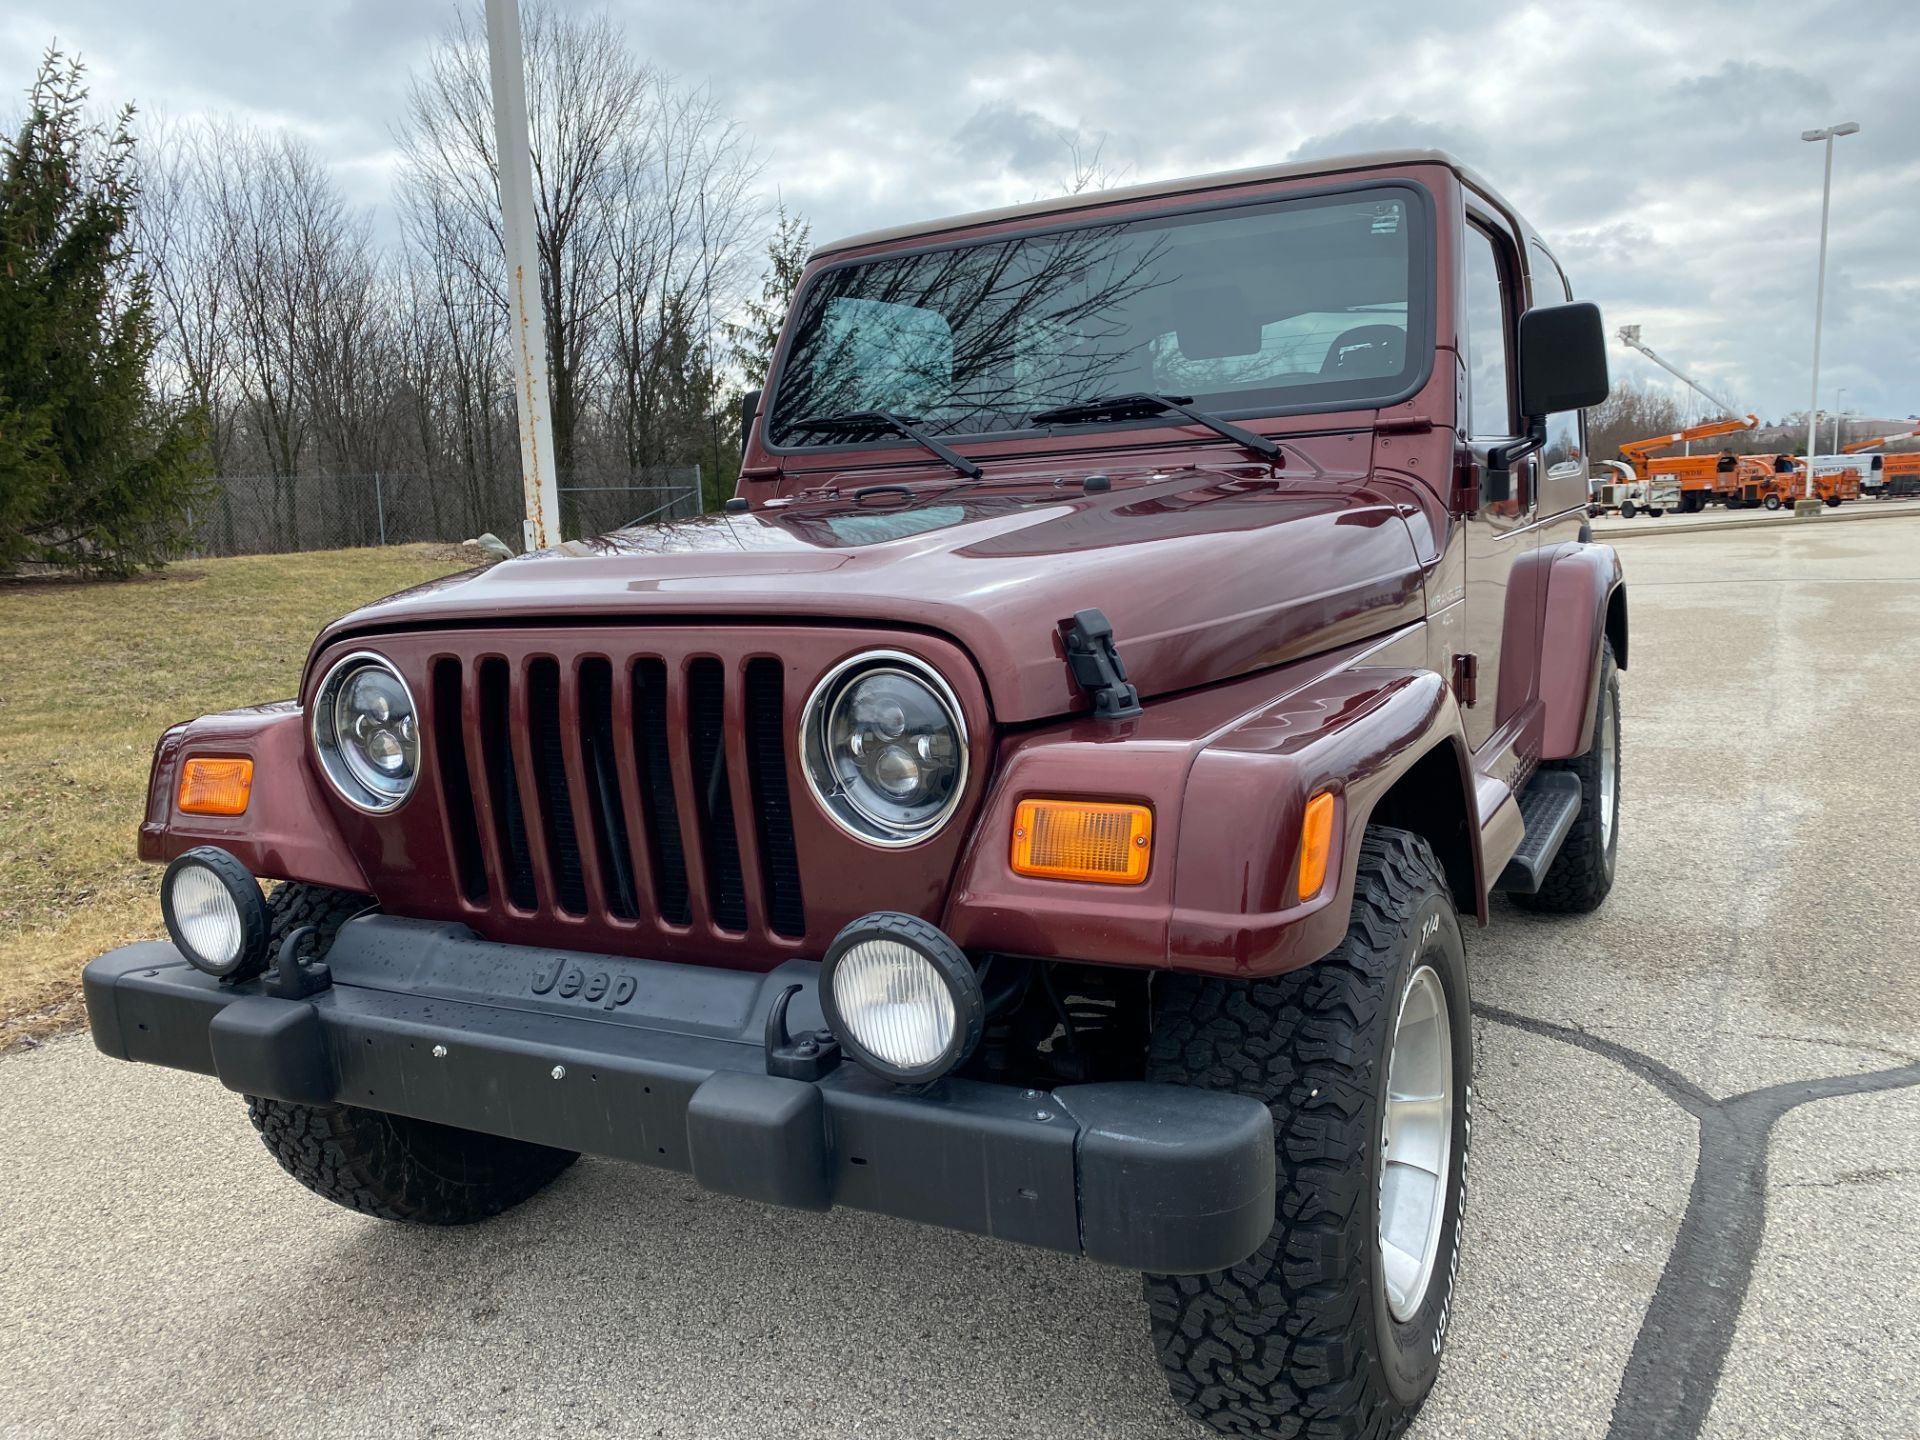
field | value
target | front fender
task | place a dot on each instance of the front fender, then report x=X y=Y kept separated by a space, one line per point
x=1581 y=586
x=288 y=830
x=1227 y=773
x=1354 y=734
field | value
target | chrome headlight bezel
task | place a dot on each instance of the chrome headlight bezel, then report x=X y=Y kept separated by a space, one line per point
x=841 y=806
x=327 y=745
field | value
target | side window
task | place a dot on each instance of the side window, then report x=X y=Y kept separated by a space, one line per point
x=1489 y=392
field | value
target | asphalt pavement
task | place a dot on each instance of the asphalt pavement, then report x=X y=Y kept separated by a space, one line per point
x=1695 y=1170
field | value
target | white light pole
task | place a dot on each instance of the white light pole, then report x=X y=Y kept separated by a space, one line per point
x=1829 y=135
x=528 y=318
x=1839 y=396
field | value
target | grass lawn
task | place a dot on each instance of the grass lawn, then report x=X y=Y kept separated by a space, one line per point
x=90 y=674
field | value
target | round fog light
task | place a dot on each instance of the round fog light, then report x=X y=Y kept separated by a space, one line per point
x=215 y=913
x=901 y=997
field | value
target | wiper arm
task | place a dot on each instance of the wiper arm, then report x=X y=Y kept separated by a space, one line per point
x=900 y=425
x=1141 y=402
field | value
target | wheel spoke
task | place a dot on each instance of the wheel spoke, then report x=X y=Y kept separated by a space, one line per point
x=1416 y=1142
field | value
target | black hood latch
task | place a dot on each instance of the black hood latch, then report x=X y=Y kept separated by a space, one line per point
x=1098 y=668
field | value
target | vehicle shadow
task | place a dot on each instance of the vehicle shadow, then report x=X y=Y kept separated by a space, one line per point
x=631 y=1302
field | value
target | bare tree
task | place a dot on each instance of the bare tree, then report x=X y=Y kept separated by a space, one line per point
x=641 y=191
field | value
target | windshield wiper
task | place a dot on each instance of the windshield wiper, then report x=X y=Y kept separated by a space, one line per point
x=900 y=425
x=1141 y=403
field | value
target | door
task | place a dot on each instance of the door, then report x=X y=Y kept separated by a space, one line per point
x=1502 y=619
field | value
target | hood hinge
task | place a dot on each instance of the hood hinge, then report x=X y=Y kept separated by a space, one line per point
x=1466 y=678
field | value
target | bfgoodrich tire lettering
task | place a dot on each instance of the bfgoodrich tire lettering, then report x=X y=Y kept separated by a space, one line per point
x=1299 y=1338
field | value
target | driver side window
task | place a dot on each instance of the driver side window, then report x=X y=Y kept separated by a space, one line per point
x=1490 y=406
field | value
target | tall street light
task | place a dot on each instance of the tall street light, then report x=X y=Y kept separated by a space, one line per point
x=1839 y=409
x=1829 y=135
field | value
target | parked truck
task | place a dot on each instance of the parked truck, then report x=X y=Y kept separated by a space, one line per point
x=1887 y=477
x=1048 y=802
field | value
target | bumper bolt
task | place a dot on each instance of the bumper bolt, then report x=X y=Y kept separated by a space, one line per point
x=439 y=1052
x=559 y=1072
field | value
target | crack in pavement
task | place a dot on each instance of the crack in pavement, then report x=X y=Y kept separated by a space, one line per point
x=1674 y=1368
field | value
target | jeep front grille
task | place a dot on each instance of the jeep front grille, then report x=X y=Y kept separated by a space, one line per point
x=606 y=787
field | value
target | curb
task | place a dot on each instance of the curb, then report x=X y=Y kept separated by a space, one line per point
x=1628 y=529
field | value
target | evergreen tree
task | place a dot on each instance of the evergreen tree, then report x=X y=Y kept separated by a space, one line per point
x=96 y=473
x=754 y=338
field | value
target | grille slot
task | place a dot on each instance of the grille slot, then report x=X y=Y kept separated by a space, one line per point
x=713 y=796
x=599 y=758
x=550 y=778
x=456 y=781
x=503 y=784
x=629 y=771
x=772 y=805
x=662 y=811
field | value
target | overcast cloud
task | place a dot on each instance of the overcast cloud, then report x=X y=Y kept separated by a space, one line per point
x=1655 y=145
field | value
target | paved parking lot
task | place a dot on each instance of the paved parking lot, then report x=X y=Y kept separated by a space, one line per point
x=1696 y=1163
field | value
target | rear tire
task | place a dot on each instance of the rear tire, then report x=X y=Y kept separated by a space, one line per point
x=1314 y=1334
x=1772 y=502
x=389 y=1166
x=1582 y=873
x=1628 y=510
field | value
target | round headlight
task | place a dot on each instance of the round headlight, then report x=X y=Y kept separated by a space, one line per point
x=901 y=997
x=215 y=913
x=885 y=747
x=367 y=732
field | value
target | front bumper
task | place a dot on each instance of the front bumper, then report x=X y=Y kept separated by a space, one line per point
x=664 y=1064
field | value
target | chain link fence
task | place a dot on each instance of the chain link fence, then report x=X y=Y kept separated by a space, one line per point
x=279 y=514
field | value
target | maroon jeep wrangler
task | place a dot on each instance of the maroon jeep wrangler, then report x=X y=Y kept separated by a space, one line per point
x=1042 y=805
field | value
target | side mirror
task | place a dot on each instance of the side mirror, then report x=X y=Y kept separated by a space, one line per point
x=1563 y=358
x=749 y=407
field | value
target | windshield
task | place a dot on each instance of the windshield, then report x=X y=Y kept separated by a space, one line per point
x=1250 y=309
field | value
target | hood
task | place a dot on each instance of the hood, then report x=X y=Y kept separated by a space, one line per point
x=1205 y=572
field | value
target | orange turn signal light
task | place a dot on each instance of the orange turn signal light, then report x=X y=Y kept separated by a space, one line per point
x=210 y=786
x=1082 y=840
x=1316 y=844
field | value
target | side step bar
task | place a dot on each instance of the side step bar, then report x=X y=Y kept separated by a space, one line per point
x=1548 y=807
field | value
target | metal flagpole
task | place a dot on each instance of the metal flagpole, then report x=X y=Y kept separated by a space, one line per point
x=504 y=52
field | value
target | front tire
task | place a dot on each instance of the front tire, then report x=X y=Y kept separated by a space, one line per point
x=389 y=1166
x=396 y=1168
x=1322 y=1331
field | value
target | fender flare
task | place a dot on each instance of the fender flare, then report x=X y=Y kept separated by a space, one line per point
x=1585 y=605
x=1355 y=733
x=288 y=831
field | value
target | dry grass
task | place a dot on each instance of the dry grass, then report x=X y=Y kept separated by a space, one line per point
x=90 y=674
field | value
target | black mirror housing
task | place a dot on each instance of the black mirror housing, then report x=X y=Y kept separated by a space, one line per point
x=1563 y=358
x=749 y=407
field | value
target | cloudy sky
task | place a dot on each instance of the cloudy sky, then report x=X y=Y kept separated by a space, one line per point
x=1655 y=144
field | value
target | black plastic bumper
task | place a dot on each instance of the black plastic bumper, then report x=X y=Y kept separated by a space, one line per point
x=664 y=1064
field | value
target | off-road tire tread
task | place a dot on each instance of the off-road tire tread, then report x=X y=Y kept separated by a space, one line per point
x=1577 y=881
x=293 y=904
x=1283 y=1344
x=372 y=1162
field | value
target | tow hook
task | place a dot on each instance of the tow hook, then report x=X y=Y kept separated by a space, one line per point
x=806 y=1056
x=293 y=978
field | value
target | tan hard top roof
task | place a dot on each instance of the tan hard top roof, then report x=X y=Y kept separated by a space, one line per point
x=1066 y=204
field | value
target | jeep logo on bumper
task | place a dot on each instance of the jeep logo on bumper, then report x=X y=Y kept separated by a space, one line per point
x=567 y=980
